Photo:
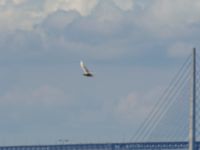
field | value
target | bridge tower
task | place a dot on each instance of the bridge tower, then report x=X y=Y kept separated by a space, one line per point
x=192 y=124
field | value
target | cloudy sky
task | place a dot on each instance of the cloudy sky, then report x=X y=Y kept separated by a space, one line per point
x=134 y=48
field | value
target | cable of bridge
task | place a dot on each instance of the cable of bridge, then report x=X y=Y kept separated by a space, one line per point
x=170 y=100
x=197 y=95
x=184 y=126
x=174 y=117
x=166 y=107
x=156 y=112
x=164 y=96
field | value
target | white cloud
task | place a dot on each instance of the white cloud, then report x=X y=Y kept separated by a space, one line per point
x=125 y=4
x=20 y=14
x=2 y=2
x=163 y=17
x=137 y=105
x=127 y=105
x=59 y=20
x=45 y=96
x=12 y=20
x=18 y=2
x=84 y=7
x=23 y=14
x=102 y=21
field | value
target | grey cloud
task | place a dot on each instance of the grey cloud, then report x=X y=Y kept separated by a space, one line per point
x=55 y=23
x=105 y=19
x=104 y=33
x=19 y=45
x=108 y=32
x=169 y=18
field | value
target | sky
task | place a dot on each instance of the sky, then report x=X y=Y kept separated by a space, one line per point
x=133 y=47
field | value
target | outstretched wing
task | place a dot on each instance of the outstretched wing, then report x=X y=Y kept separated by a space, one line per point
x=85 y=70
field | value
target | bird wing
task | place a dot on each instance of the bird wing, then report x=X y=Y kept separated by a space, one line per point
x=85 y=70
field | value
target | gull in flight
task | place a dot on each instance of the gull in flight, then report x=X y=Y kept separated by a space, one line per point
x=86 y=73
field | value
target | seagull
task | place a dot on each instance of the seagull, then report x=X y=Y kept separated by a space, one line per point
x=86 y=73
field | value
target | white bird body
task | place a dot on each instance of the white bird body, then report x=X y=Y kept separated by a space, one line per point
x=86 y=73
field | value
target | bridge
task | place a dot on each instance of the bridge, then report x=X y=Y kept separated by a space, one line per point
x=173 y=123
x=107 y=146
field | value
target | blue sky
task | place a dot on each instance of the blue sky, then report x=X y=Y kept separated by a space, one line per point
x=134 y=48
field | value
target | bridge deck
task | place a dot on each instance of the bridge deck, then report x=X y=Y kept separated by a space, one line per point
x=105 y=146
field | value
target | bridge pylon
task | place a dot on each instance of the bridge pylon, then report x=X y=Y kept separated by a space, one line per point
x=192 y=123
